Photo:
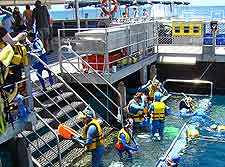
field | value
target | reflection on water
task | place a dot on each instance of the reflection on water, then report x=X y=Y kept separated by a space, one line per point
x=198 y=154
x=208 y=153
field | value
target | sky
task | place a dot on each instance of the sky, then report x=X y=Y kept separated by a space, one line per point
x=207 y=2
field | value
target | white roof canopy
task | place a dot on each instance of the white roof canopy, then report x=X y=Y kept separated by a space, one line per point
x=30 y=2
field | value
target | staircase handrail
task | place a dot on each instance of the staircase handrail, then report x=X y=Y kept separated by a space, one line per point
x=56 y=136
x=99 y=75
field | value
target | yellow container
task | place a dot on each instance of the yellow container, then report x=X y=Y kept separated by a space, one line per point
x=192 y=28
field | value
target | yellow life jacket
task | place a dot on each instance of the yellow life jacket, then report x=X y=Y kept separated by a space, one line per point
x=192 y=133
x=3 y=123
x=6 y=55
x=159 y=111
x=220 y=128
x=15 y=55
x=98 y=137
x=20 y=56
x=139 y=116
x=151 y=91
x=127 y=136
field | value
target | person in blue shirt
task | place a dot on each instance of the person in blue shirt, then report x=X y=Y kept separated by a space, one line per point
x=39 y=49
x=125 y=139
x=171 y=161
x=92 y=139
x=158 y=110
x=137 y=109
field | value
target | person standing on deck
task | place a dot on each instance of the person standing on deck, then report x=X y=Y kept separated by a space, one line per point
x=41 y=18
x=145 y=13
x=27 y=17
x=124 y=140
x=137 y=110
x=92 y=138
x=158 y=110
x=8 y=20
x=135 y=12
x=127 y=13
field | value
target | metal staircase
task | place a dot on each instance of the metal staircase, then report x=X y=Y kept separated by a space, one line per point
x=58 y=104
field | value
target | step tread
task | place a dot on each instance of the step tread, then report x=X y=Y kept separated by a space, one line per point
x=49 y=136
x=66 y=108
x=48 y=102
x=37 y=126
x=40 y=124
x=37 y=92
x=67 y=144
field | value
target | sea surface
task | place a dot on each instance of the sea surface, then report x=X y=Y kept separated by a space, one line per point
x=59 y=12
x=197 y=154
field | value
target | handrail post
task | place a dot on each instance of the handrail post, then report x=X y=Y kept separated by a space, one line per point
x=57 y=139
x=106 y=53
x=120 y=108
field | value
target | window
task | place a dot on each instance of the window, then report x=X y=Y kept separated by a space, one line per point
x=186 y=29
x=196 y=29
x=177 y=29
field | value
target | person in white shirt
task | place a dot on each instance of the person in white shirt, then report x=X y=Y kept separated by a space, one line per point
x=145 y=13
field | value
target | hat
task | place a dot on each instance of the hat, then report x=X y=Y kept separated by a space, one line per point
x=173 y=159
x=155 y=82
x=87 y=113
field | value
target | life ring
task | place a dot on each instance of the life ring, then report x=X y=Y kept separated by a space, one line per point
x=106 y=11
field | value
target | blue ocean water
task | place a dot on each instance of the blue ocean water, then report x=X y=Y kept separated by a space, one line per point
x=186 y=12
x=197 y=154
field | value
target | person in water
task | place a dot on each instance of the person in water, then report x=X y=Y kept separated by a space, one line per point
x=92 y=138
x=125 y=139
x=217 y=129
x=150 y=88
x=171 y=161
x=158 y=110
x=187 y=104
x=137 y=109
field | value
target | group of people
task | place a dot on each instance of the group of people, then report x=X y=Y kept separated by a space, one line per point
x=126 y=13
x=147 y=106
x=141 y=108
x=37 y=20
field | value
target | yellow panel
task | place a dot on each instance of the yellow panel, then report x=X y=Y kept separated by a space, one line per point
x=184 y=26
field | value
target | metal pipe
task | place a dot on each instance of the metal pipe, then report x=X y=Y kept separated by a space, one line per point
x=77 y=13
x=107 y=82
x=57 y=139
x=171 y=146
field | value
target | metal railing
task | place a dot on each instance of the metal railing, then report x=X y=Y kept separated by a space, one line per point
x=191 y=82
x=58 y=153
x=113 y=46
x=171 y=146
x=74 y=66
x=66 y=85
x=58 y=93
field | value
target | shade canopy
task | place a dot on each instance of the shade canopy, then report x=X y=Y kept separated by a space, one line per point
x=91 y=2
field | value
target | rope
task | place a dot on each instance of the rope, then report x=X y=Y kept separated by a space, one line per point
x=205 y=71
x=211 y=138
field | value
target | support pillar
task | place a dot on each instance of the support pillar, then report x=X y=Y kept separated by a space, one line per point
x=144 y=75
x=153 y=71
x=123 y=92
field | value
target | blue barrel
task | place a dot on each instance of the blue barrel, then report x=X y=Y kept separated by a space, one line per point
x=220 y=39
x=208 y=39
